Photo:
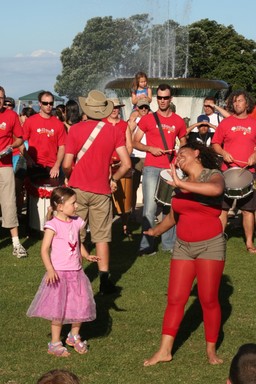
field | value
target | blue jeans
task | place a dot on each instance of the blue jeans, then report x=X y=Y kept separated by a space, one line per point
x=149 y=184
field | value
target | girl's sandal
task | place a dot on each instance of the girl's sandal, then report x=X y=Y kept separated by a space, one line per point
x=78 y=345
x=57 y=349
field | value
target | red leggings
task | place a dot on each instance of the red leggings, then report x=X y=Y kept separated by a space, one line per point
x=182 y=274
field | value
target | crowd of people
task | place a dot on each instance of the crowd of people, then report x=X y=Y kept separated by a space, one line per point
x=88 y=154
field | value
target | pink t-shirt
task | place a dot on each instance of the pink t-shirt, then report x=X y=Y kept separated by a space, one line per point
x=9 y=126
x=65 y=252
x=44 y=137
x=238 y=137
x=173 y=126
x=91 y=173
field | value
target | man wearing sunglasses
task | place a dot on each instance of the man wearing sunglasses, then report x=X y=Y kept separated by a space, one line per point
x=46 y=137
x=156 y=160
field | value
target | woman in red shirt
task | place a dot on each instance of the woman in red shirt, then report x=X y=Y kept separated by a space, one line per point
x=200 y=248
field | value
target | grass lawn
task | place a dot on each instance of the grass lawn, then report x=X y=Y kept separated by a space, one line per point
x=128 y=325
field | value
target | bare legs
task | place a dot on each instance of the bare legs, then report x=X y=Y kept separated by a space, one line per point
x=102 y=250
x=248 y=226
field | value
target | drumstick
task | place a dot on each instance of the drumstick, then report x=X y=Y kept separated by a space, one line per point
x=169 y=150
x=243 y=169
x=239 y=161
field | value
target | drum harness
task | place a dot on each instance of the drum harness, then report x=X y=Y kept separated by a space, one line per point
x=170 y=156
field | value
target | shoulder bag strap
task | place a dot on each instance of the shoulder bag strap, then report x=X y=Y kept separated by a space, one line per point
x=170 y=157
x=90 y=140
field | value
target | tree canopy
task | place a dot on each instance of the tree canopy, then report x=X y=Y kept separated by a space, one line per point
x=110 y=48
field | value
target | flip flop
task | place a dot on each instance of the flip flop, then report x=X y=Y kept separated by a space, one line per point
x=251 y=250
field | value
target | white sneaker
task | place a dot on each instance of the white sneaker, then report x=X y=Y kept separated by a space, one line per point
x=19 y=251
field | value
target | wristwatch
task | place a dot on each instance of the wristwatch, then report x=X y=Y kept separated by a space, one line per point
x=112 y=179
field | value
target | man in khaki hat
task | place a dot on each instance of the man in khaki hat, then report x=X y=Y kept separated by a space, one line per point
x=90 y=145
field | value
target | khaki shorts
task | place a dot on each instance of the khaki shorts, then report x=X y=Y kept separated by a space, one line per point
x=212 y=249
x=7 y=198
x=97 y=209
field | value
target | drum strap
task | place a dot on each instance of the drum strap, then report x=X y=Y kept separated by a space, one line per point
x=170 y=157
x=90 y=140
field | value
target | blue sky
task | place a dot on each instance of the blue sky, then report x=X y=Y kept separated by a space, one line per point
x=35 y=33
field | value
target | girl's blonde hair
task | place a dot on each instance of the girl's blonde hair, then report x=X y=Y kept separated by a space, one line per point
x=136 y=80
x=59 y=196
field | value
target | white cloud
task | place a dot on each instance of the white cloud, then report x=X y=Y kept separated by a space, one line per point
x=43 y=53
x=25 y=74
x=39 y=53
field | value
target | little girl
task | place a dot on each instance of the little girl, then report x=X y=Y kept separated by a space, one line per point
x=65 y=295
x=140 y=89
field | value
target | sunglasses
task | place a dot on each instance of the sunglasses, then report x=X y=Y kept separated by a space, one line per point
x=47 y=103
x=143 y=107
x=163 y=97
x=8 y=104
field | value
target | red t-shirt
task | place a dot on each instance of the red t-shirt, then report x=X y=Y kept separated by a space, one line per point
x=122 y=125
x=253 y=114
x=44 y=137
x=196 y=221
x=9 y=126
x=238 y=137
x=91 y=173
x=173 y=126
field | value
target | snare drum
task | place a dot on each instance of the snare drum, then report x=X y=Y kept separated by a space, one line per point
x=122 y=198
x=164 y=191
x=39 y=194
x=238 y=183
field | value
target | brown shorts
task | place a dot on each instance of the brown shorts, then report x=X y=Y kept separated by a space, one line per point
x=97 y=209
x=212 y=249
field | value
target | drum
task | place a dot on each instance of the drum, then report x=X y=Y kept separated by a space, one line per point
x=238 y=183
x=38 y=195
x=164 y=191
x=122 y=198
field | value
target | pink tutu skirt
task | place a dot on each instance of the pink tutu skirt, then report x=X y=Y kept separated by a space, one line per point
x=69 y=300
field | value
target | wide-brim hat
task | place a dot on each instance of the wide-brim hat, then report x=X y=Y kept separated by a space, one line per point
x=95 y=105
x=116 y=102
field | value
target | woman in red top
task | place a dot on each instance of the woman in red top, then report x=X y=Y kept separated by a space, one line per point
x=199 y=251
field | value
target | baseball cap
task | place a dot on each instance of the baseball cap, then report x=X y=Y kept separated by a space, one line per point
x=202 y=118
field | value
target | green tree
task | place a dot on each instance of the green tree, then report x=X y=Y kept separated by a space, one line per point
x=219 y=52
x=110 y=48
x=105 y=49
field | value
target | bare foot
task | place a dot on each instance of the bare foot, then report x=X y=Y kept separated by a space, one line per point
x=158 y=357
x=214 y=360
x=211 y=354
